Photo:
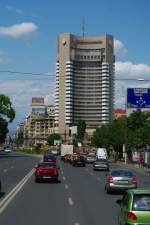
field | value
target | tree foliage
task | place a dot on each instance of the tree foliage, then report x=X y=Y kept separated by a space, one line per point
x=7 y=114
x=52 y=137
x=134 y=131
x=81 y=127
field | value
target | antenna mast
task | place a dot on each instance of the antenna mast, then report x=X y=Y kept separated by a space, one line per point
x=83 y=27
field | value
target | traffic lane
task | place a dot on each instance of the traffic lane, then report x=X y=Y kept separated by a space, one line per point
x=39 y=203
x=91 y=204
x=13 y=167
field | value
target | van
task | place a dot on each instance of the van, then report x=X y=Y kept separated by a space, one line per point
x=101 y=153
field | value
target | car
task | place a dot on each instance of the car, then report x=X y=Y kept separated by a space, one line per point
x=120 y=180
x=90 y=158
x=78 y=161
x=49 y=157
x=7 y=150
x=101 y=164
x=46 y=171
x=134 y=207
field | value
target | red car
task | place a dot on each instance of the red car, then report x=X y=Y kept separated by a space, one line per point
x=46 y=171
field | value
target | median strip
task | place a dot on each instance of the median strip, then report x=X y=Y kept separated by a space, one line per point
x=4 y=203
x=70 y=201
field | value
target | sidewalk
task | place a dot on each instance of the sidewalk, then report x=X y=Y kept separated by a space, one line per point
x=135 y=167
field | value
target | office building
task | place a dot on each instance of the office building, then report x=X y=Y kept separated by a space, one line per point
x=84 y=81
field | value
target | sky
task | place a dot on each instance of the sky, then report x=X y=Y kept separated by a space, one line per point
x=28 y=42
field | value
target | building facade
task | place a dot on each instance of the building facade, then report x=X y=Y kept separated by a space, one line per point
x=84 y=81
x=39 y=123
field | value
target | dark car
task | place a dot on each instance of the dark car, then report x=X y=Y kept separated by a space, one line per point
x=46 y=171
x=101 y=164
x=78 y=161
x=90 y=158
x=49 y=157
x=120 y=180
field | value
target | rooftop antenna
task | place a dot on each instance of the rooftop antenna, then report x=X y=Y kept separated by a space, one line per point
x=83 y=27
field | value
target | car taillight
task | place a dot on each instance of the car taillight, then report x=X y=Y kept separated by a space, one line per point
x=131 y=216
x=134 y=180
x=110 y=179
x=55 y=172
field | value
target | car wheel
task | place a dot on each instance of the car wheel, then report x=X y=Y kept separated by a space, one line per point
x=108 y=191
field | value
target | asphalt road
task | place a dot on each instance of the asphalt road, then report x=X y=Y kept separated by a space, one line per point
x=13 y=167
x=79 y=199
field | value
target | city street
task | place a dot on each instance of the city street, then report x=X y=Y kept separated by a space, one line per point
x=79 y=199
x=13 y=167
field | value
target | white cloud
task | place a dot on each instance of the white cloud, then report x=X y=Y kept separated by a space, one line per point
x=18 y=30
x=22 y=91
x=13 y=9
x=119 y=48
x=130 y=70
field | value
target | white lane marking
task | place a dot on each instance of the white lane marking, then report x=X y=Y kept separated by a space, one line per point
x=64 y=178
x=76 y=224
x=5 y=170
x=70 y=201
x=4 y=203
x=62 y=172
x=66 y=186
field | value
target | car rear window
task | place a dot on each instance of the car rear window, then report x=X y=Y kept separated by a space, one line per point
x=47 y=165
x=141 y=203
x=121 y=173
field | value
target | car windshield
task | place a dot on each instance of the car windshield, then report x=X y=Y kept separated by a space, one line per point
x=101 y=160
x=46 y=165
x=141 y=203
x=121 y=173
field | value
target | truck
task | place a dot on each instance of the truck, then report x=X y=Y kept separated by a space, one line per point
x=66 y=150
x=101 y=153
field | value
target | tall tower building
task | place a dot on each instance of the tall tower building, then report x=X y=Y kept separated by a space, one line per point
x=84 y=81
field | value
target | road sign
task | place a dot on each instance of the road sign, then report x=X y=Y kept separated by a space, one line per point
x=138 y=98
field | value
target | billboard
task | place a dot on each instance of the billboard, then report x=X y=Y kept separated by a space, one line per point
x=38 y=100
x=138 y=98
x=38 y=111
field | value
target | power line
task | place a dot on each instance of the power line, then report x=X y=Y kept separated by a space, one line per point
x=26 y=73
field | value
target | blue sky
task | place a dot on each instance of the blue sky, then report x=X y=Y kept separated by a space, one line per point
x=28 y=35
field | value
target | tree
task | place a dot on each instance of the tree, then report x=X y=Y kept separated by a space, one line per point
x=52 y=137
x=19 y=139
x=81 y=127
x=7 y=114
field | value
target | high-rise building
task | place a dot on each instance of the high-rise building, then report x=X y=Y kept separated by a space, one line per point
x=84 y=81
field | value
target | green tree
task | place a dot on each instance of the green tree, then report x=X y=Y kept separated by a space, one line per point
x=7 y=114
x=81 y=127
x=19 y=139
x=52 y=137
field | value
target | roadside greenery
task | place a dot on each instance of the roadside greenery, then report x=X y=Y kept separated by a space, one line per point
x=7 y=115
x=134 y=131
x=52 y=137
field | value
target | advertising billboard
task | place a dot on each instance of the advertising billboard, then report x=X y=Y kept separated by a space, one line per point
x=39 y=100
x=138 y=98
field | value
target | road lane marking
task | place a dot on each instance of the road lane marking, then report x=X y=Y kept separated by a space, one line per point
x=76 y=224
x=5 y=202
x=62 y=172
x=70 y=201
x=5 y=170
x=64 y=178
x=66 y=186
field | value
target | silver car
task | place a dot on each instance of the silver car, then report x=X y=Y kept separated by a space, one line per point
x=101 y=164
x=120 y=180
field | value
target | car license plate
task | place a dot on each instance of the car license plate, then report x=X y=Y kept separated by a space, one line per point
x=123 y=182
x=47 y=177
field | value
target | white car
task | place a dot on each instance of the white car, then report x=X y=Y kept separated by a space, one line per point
x=7 y=150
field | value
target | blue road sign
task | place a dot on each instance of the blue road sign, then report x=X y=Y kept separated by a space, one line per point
x=138 y=98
